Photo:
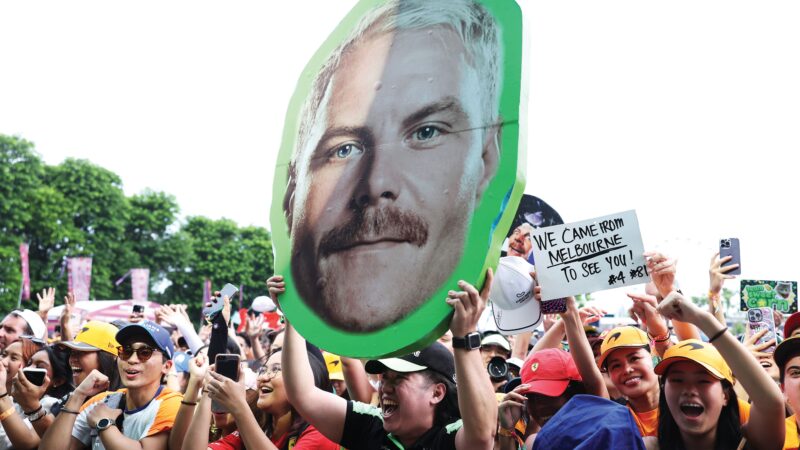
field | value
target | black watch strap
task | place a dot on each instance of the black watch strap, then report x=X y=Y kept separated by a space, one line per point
x=469 y=342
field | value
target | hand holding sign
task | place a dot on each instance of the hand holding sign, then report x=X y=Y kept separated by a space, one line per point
x=662 y=271
x=593 y=255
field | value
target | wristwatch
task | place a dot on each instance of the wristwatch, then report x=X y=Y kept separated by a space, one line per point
x=469 y=342
x=103 y=424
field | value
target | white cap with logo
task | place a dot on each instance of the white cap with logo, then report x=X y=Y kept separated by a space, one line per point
x=513 y=306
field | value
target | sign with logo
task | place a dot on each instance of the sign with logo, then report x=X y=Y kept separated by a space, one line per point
x=778 y=295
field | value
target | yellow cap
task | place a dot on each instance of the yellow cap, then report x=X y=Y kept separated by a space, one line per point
x=334 y=364
x=700 y=352
x=95 y=335
x=622 y=337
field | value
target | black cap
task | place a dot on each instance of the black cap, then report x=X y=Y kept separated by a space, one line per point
x=435 y=357
x=786 y=350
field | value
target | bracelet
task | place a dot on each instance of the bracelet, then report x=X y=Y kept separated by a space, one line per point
x=7 y=413
x=34 y=411
x=716 y=336
x=35 y=417
x=184 y=402
x=713 y=295
x=4 y=395
x=70 y=411
x=663 y=338
x=505 y=432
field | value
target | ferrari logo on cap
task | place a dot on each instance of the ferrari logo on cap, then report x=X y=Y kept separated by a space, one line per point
x=535 y=366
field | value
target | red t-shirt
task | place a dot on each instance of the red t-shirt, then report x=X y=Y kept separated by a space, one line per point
x=309 y=439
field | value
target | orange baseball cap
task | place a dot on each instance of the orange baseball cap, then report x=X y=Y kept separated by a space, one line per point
x=699 y=352
x=95 y=336
x=622 y=337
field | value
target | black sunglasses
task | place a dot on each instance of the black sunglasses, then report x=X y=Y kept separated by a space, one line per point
x=143 y=353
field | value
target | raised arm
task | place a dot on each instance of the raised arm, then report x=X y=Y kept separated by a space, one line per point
x=581 y=351
x=765 y=429
x=59 y=435
x=232 y=396
x=521 y=342
x=67 y=333
x=46 y=301
x=476 y=399
x=195 y=430
x=662 y=273
x=324 y=410
x=198 y=367
x=28 y=396
x=254 y=329
x=644 y=309
x=717 y=274
x=355 y=377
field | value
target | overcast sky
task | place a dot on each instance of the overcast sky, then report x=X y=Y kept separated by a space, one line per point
x=687 y=112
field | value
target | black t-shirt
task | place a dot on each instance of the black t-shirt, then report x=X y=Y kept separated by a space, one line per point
x=363 y=429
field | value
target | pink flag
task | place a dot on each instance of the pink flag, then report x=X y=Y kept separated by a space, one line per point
x=140 y=281
x=79 y=276
x=26 y=276
x=206 y=291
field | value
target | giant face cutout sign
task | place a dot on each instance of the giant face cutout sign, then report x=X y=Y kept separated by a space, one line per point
x=399 y=159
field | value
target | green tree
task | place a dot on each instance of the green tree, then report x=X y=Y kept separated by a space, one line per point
x=153 y=243
x=77 y=208
x=21 y=170
x=98 y=209
x=223 y=253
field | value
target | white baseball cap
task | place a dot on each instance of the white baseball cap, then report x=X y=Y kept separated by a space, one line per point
x=38 y=328
x=513 y=306
x=262 y=304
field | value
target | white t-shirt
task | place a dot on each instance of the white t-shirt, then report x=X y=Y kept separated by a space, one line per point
x=47 y=403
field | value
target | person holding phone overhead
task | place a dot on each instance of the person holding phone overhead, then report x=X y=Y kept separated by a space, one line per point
x=141 y=414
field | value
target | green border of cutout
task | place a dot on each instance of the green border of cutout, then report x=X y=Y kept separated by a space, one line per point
x=490 y=221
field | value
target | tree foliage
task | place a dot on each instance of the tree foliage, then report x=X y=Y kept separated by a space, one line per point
x=77 y=208
x=224 y=253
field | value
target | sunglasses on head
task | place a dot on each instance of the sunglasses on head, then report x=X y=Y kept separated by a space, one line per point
x=143 y=353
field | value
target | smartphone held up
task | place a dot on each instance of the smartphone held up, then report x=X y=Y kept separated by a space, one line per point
x=730 y=247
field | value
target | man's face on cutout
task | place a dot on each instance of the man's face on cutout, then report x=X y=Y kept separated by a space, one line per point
x=397 y=161
x=520 y=242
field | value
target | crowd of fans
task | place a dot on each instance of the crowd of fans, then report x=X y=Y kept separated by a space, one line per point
x=678 y=379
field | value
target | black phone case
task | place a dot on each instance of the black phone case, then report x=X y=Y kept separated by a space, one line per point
x=36 y=378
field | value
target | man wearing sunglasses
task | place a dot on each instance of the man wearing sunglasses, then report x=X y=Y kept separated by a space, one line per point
x=137 y=416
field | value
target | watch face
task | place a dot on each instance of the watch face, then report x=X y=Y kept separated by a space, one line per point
x=104 y=423
x=473 y=340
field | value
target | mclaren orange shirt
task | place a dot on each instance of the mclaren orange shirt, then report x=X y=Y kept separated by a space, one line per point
x=792 y=440
x=647 y=421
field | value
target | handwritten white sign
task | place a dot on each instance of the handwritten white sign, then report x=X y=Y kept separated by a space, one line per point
x=589 y=256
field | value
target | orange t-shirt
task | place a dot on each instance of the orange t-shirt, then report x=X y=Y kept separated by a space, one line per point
x=792 y=441
x=647 y=421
